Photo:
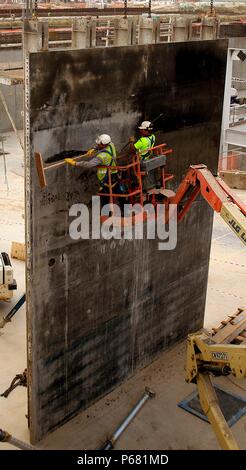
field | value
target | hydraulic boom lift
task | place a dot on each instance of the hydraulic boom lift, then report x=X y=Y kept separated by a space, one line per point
x=141 y=188
x=199 y=180
x=211 y=354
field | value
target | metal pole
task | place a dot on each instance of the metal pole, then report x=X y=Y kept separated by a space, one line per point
x=211 y=7
x=149 y=12
x=13 y=311
x=5 y=166
x=36 y=8
x=109 y=444
x=6 y=437
x=125 y=8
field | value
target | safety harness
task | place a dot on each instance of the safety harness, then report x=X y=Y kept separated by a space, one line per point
x=152 y=141
x=113 y=159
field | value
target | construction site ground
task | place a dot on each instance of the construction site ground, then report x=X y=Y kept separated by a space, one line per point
x=161 y=424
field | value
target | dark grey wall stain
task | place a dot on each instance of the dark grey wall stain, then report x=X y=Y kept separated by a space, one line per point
x=98 y=310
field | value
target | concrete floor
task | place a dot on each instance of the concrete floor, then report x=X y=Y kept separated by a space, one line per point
x=160 y=424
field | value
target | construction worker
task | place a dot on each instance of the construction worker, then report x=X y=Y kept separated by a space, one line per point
x=103 y=155
x=234 y=96
x=146 y=141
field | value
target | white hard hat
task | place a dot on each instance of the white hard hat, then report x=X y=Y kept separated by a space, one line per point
x=103 y=139
x=234 y=92
x=146 y=125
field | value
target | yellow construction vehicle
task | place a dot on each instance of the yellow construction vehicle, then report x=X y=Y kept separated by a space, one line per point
x=213 y=354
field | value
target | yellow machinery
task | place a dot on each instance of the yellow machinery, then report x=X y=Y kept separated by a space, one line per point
x=213 y=354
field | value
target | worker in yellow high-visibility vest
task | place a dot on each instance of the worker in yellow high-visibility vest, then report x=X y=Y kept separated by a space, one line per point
x=145 y=142
x=103 y=155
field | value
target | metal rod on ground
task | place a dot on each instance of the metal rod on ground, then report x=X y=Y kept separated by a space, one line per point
x=11 y=119
x=13 y=311
x=110 y=443
x=6 y=437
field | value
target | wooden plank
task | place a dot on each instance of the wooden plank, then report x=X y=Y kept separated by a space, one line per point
x=215 y=330
x=40 y=170
x=230 y=331
x=221 y=326
x=239 y=317
x=18 y=251
x=225 y=322
x=233 y=315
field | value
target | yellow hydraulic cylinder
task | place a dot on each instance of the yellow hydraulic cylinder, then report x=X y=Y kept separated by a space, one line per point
x=232 y=215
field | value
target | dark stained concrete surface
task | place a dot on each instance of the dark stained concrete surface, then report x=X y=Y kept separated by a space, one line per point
x=98 y=310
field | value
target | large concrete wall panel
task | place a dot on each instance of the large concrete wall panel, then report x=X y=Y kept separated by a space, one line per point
x=97 y=309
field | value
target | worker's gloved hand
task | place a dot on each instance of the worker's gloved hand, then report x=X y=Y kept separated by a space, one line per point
x=71 y=161
x=132 y=138
x=90 y=152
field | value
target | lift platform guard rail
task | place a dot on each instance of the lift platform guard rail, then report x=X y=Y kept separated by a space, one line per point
x=198 y=180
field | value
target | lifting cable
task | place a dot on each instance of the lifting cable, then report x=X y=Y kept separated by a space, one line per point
x=149 y=13
x=125 y=8
x=211 y=7
x=36 y=7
